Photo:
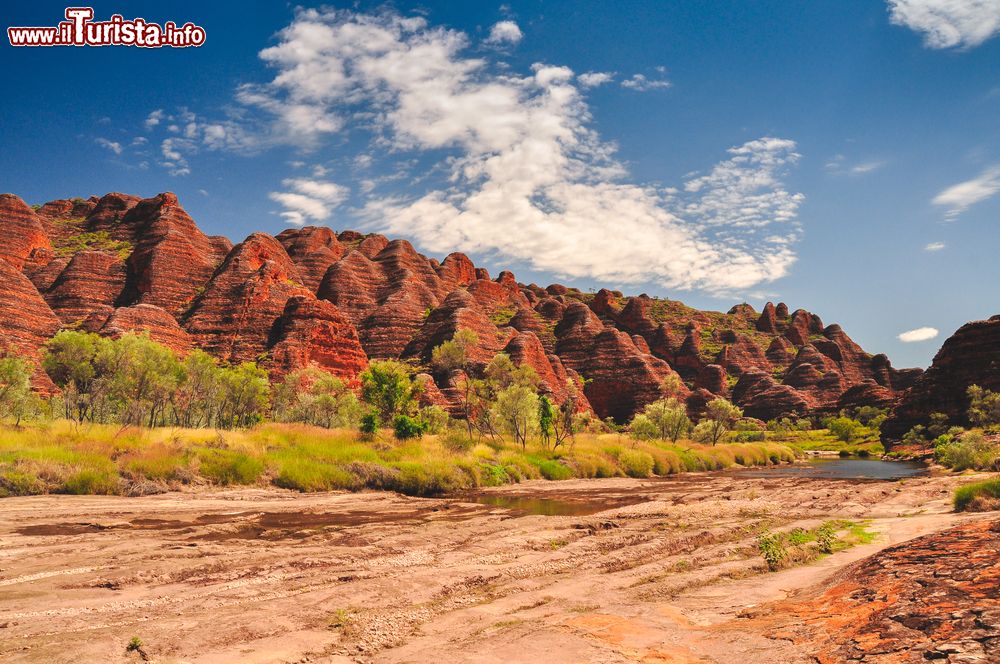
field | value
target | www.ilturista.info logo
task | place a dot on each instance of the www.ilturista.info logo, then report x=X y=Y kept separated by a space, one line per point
x=79 y=29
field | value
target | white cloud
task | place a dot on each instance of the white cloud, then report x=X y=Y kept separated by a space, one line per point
x=958 y=198
x=592 y=79
x=641 y=83
x=919 y=334
x=509 y=163
x=113 y=146
x=309 y=199
x=154 y=118
x=935 y=246
x=866 y=167
x=505 y=32
x=948 y=23
x=837 y=165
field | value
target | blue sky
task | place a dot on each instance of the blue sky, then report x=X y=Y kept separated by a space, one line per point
x=839 y=156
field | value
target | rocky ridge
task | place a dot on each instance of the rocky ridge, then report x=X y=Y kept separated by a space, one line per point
x=971 y=356
x=312 y=296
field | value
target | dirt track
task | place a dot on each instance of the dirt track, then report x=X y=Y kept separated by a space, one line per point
x=270 y=576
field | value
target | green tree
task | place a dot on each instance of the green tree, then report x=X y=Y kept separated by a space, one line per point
x=844 y=428
x=453 y=354
x=142 y=376
x=245 y=392
x=15 y=387
x=564 y=425
x=316 y=397
x=546 y=416
x=642 y=427
x=669 y=417
x=720 y=416
x=197 y=398
x=386 y=386
x=516 y=410
x=672 y=387
x=984 y=406
x=70 y=361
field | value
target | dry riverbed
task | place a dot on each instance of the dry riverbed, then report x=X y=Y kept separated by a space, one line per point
x=668 y=571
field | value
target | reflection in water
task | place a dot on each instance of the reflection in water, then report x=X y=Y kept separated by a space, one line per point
x=843 y=469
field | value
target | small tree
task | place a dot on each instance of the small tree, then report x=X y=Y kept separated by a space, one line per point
x=15 y=387
x=720 y=416
x=516 y=410
x=672 y=387
x=843 y=428
x=984 y=406
x=669 y=418
x=643 y=428
x=546 y=416
x=564 y=425
x=453 y=354
x=386 y=387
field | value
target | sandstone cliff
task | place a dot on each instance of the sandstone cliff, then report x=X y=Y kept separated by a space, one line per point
x=312 y=296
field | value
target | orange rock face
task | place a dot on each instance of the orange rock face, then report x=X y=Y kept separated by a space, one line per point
x=311 y=296
x=26 y=321
x=173 y=259
x=312 y=332
x=90 y=284
x=23 y=232
x=971 y=356
x=160 y=325
x=234 y=316
x=931 y=599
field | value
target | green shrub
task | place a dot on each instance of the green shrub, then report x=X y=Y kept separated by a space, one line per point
x=826 y=537
x=92 y=481
x=971 y=451
x=369 y=423
x=965 y=495
x=772 y=549
x=307 y=475
x=406 y=427
x=18 y=483
x=226 y=467
x=844 y=428
x=636 y=463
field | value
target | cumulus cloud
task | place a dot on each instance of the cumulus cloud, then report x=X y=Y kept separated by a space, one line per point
x=308 y=199
x=154 y=118
x=113 y=146
x=935 y=246
x=640 y=83
x=960 y=197
x=592 y=79
x=504 y=32
x=919 y=334
x=510 y=164
x=948 y=23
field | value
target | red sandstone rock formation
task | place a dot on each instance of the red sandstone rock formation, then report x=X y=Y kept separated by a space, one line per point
x=23 y=232
x=313 y=249
x=161 y=326
x=90 y=284
x=26 y=321
x=255 y=301
x=312 y=332
x=173 y=259
x=971 y=356
x=233 y=317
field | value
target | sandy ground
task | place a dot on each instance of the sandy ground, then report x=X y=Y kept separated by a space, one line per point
x=272 y=576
